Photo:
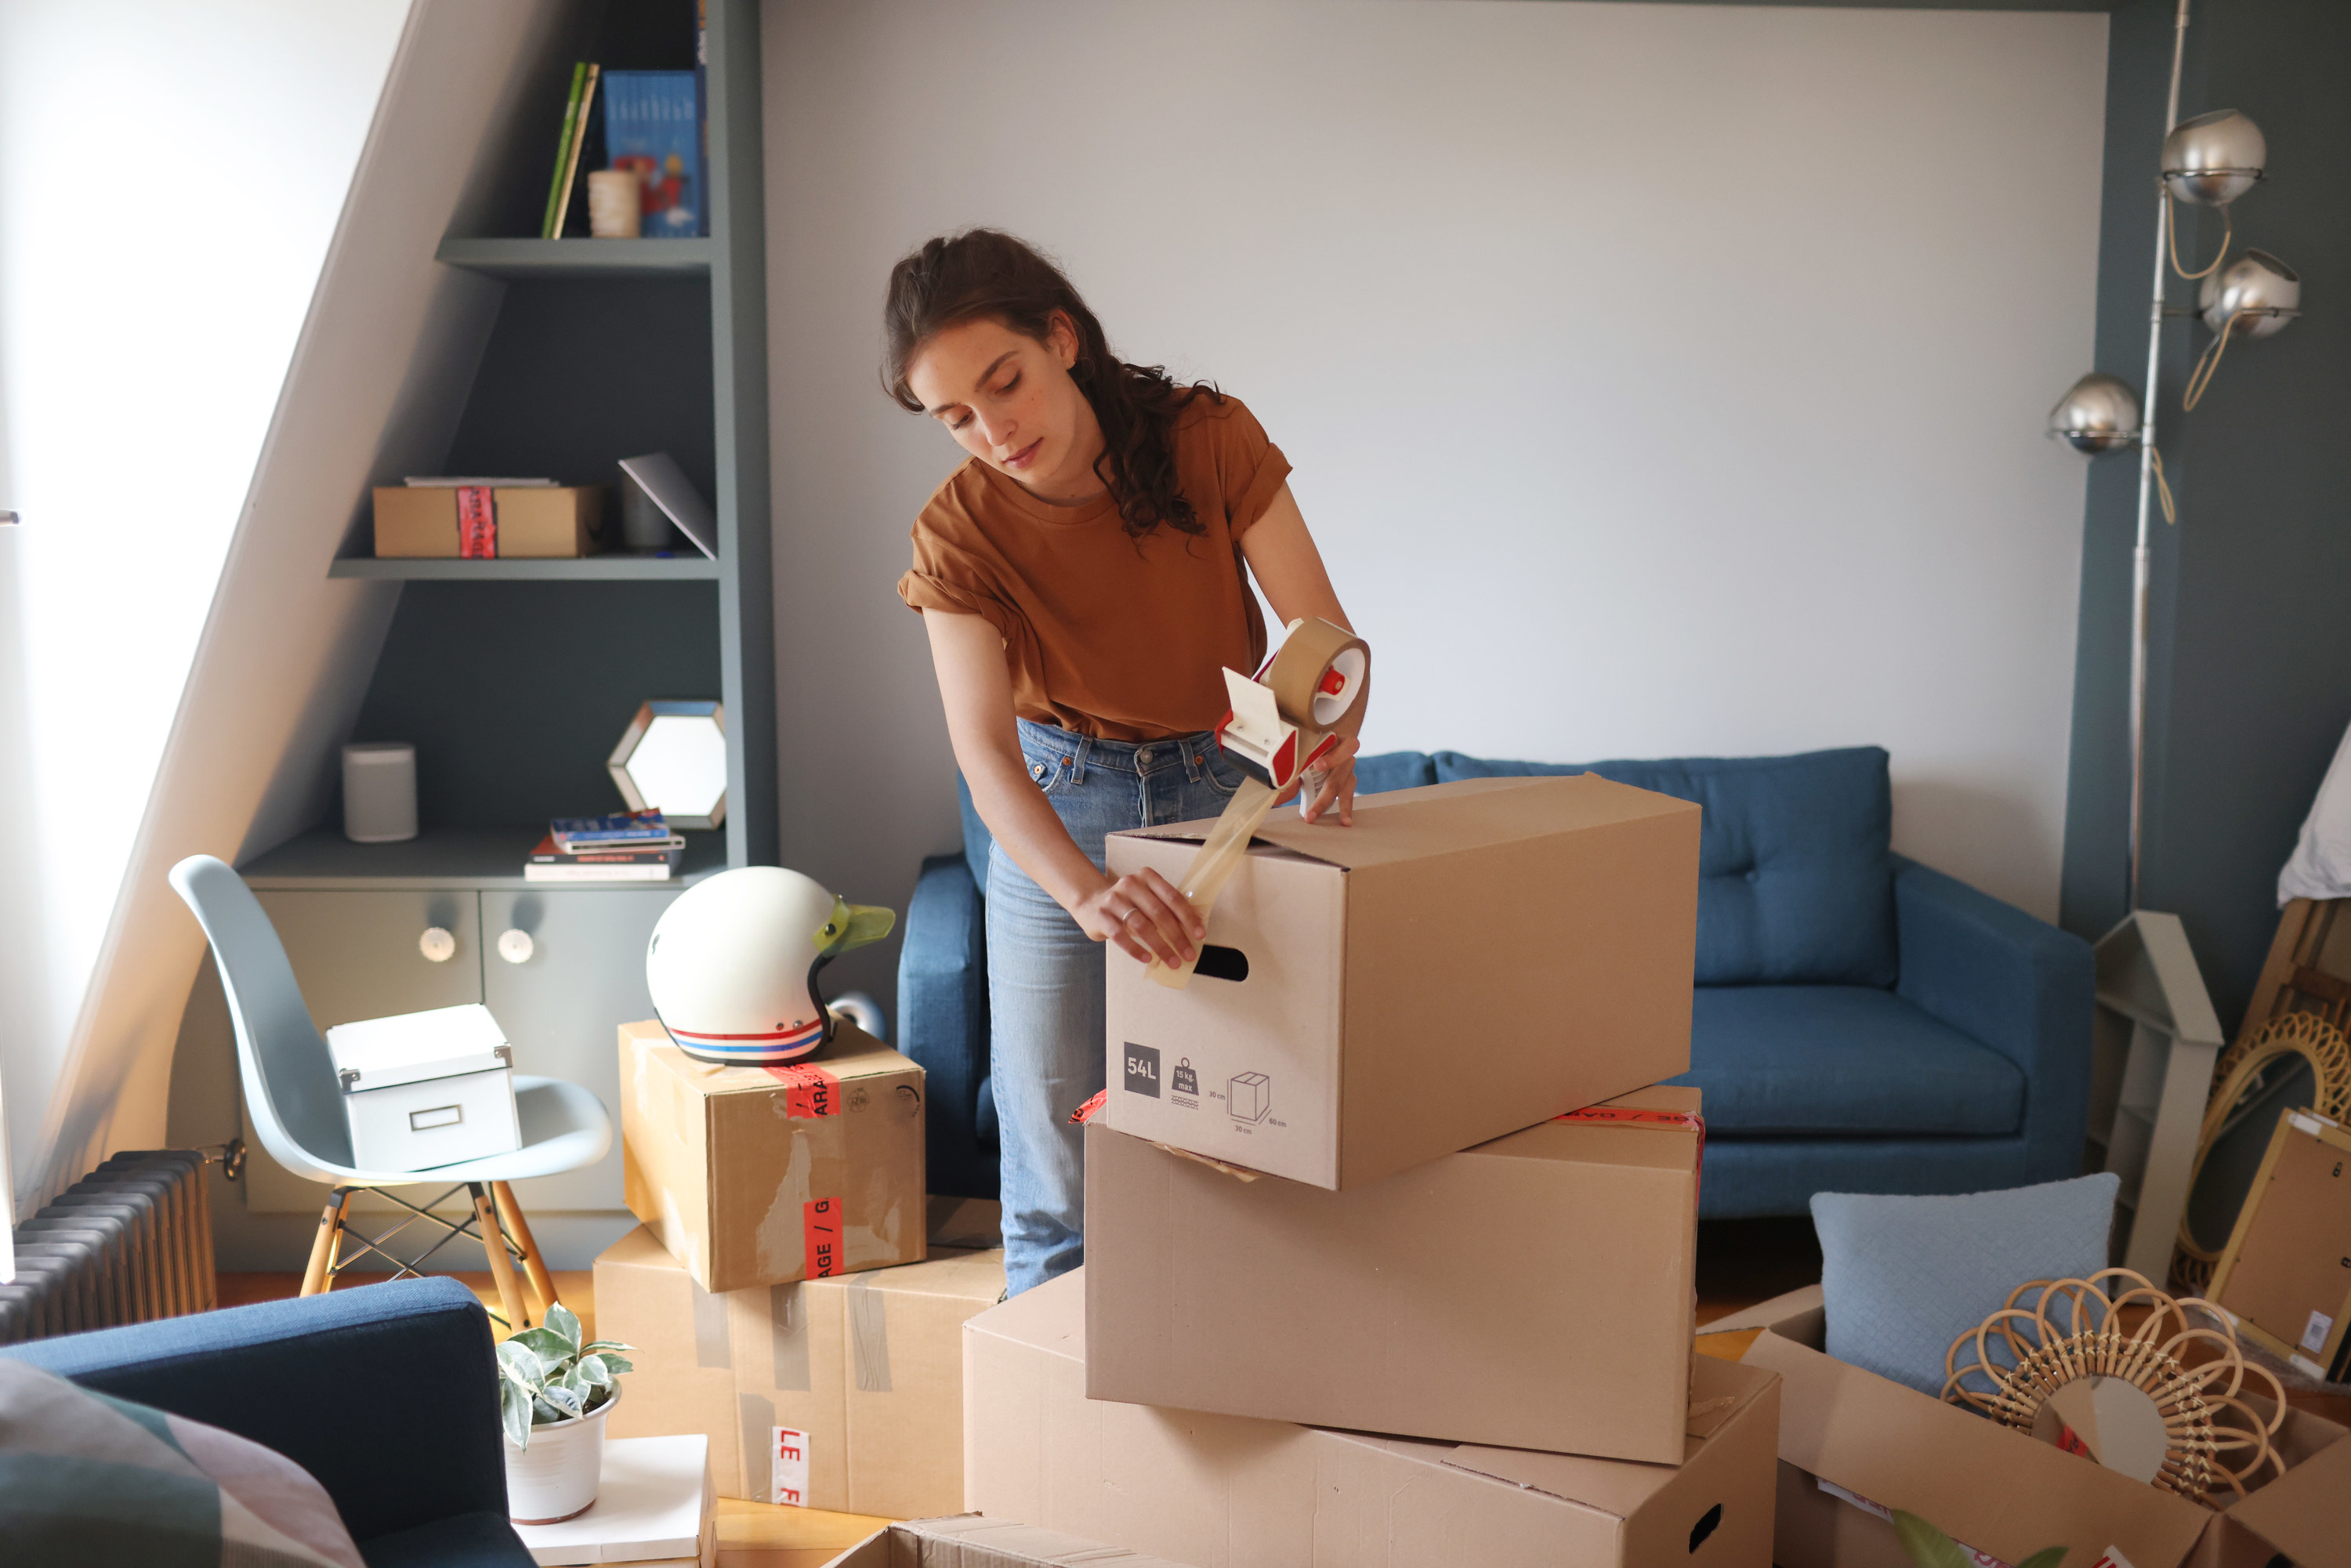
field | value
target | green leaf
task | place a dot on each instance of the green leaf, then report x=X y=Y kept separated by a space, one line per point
x=595 y=1347
x=550 y=1347
x=514 y=1414
x=2047 y=1557
x=565 y=1326
x=1927 y=1546
x=560 y=1403
x=616 y=1365
x=521 y=1363
x=590 y=1373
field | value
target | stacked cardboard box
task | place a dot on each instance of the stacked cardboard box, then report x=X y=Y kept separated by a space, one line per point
x=1397 y=1161
x=779 y=1293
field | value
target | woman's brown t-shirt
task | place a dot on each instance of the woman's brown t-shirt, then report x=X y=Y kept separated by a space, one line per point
x=1105 y=635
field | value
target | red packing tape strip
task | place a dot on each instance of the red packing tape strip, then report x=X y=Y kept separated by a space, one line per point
x=809 y=1090
x=1633 y=1116
x=820 y=1235
x=1087 y=1111
x=477 y=522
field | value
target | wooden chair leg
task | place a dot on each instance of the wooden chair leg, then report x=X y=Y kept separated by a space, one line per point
x=320 y=1274
x=501 y=1266
x=534 y=1266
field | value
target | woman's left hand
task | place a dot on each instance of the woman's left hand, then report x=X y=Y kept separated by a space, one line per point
x=1333 y=783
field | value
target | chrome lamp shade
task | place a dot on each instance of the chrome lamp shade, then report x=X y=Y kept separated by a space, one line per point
x=2213 y=159
x=2257 y=289
x=2098 y=413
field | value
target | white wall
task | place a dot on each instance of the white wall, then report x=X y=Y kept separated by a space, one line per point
x=1661 y=379
x=170 y=176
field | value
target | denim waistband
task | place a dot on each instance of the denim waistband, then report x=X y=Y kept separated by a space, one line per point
x=1082 y=753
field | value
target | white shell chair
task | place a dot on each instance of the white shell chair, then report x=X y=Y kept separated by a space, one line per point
x=298 y=1108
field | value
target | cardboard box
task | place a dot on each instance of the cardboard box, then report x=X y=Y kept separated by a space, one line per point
x=1430 y=1304
x=843 y=1393
x=2285 y=1275
x=2007 y=1494
x=533 y=521
x=971 y=1540
x=760 y=1176
x=1232 y=1491
x=1466 y=960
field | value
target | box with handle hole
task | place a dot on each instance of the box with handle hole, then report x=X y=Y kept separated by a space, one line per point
x=1466 y=960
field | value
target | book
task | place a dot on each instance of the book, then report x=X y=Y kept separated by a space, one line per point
x=659 y=477
x=666 y=853
x=571 y=162
x=619 y=827
x=546 y=222
x=701 y=92
x=651 y=126
x=659 y=870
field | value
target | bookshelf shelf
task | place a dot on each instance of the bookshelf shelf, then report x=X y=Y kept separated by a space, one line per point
x=529 y=258
x=585 y=569
x=323 y=858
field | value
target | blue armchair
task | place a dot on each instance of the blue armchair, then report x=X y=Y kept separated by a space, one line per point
x=1860 y=1023
x=386 y=1394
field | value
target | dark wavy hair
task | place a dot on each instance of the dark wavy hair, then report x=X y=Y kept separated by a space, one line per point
x=988 y=273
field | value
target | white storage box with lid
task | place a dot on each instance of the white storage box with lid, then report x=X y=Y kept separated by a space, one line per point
x=426 y=1088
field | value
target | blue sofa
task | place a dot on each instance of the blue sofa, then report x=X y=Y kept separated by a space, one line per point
x=386 y=1394
x=1860 y=1023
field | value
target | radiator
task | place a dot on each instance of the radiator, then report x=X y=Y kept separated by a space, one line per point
x=130 y=1241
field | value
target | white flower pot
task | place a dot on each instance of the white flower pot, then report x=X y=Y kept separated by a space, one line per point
x=555 y=1478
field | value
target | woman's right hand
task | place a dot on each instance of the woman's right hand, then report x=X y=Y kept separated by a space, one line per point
x=1144 y=915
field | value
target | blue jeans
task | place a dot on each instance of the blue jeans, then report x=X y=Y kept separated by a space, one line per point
x=1045 y=977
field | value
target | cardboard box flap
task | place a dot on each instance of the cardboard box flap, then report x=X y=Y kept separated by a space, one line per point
x=969 y=1540
x=1441 y=818
x=1978 y=1482
x=1616 y=1485
x=1658 y=1146
x=2302 y=1513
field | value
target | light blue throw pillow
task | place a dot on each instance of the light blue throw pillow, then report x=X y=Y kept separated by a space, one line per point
x=1901 y=1278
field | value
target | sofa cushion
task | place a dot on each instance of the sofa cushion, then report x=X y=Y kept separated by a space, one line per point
x=1849 y=1060
x=1795 y=875
x=1393 y=770
x=1902 y=1278
x=461 y=1540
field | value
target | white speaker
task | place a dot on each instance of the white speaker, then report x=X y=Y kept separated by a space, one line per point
x=379 y=792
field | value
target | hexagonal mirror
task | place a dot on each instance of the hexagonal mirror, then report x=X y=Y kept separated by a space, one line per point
x=674 y=760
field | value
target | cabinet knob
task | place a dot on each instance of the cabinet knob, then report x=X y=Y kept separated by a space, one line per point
x=437 y=945
x=515 y=946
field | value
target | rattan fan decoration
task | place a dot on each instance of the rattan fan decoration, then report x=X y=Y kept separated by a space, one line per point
x=2306 y=1035
x=2209 y=1439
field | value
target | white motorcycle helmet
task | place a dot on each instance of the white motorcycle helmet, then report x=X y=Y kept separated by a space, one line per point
x=733 y=964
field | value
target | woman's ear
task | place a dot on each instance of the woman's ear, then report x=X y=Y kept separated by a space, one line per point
x=1062 y=339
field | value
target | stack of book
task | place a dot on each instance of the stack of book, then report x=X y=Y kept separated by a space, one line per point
x=632 y=846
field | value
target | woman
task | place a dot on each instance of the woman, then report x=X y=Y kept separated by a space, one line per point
x=1082 y=580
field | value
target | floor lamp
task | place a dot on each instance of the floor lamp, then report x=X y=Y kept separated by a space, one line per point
x=2157 y=1033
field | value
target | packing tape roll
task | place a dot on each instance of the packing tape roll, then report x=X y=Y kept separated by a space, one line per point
x=1319 y=678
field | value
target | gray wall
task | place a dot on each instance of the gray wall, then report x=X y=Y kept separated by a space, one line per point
x=2250 y=659
x=1577 y=382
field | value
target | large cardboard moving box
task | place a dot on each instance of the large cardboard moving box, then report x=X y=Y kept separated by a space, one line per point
x=1533 y=1293
x=2007 y=1494
x=1232 y=1491
x=843 y=1393
x=1466 y=960
x=973 y=1540
x=531 y=520
x=756 y=1176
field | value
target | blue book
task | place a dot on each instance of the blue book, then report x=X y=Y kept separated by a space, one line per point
x=651 y=126
x=620 y=828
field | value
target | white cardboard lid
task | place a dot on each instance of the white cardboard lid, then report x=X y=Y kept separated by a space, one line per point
x=408 y=1048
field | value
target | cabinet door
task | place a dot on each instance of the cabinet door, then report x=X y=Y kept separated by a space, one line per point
x=562 y=1005
x=356 y=955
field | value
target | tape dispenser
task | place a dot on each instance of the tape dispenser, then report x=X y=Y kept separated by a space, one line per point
x=1284 y=720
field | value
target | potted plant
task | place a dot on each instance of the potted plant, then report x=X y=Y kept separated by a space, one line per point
x=1930 y=1548
x=553 y=1395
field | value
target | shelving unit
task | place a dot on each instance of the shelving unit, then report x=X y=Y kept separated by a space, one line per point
x=513 y=678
